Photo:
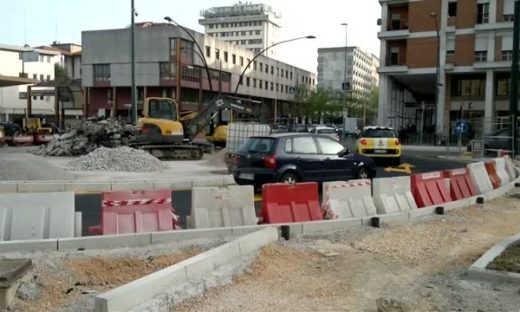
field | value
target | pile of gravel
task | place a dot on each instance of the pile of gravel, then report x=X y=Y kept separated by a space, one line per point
x=117 y=159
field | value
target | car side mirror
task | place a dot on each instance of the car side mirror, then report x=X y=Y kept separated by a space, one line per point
x=343 y=152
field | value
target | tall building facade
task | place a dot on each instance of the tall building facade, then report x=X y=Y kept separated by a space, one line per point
x=361 y=70
x=470 y=73
x=253 y=26
x=168 y=64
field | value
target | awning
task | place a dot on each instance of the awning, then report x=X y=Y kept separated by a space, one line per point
x=7 y=81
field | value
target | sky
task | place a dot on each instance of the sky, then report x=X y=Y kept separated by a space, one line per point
x=37 y=22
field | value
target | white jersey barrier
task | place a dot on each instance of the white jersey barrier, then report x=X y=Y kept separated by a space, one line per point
x=30 y=216
x=352 y=199
x=222 y=207
x=480 y=177
x=503 y=175
x=510 y=167
x=393 y=195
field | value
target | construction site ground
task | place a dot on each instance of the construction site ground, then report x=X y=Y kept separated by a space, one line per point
x=416 y=266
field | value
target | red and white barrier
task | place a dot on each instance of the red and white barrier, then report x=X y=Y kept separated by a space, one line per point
x=480 y=177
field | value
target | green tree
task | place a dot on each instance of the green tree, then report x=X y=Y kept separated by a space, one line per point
x=59 y=73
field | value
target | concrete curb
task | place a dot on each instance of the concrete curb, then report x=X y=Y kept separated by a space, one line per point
x=478 y=269
x=136 y=292
x=101 y=186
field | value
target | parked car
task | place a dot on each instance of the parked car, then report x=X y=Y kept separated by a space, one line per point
x=299 y=128
x=324 y=130
x=2 y=136
x=276 y=128
x=296 y=157
x=498 y=140
x=380 y=142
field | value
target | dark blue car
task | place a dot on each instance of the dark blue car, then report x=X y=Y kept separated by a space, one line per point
x=298 y=157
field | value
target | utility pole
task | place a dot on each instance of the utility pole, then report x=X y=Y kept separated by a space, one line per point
x=345 y=83
x=513 y=96
x=133 y=112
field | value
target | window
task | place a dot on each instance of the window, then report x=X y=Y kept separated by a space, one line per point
x=272 y=86
x=167 y=71
x=266 y=85
x=261 y=66
x=48 y=77
x=190 y=73
x=272 y=70
x=507 y=55
x=482 y=13
x=480 y=56
x=257 y=32
x=41 y=97
x=281 y=72
x=35 y=76
x=266 y=68
x=257 y=145
x=162 y=109
x=509 y=17
x=291 y=76
x=304 y=145
x=468 y=86
x=394 y=56
x=210 y=26
x=502 y=88
x=208 y=51
x=234 y=58
x=225 y=56
x=277 y=87
x=452 y=9
x=41 y=77
x=277 y=71
x=329 y=146
x=260 y=83
x=241 y=61
x=254 y=82
x=41 y=58
x=48 y=59
x=247 y=81
x=254 y=65
x=187 y=49
x=288 y=146
x=217 y=54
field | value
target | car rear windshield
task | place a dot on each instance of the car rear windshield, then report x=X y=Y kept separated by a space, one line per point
x=379 y=133
x=326 y=131
x=257 y=145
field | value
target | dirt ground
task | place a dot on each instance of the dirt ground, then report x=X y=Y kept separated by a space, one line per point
x=416 y=266
x=69 y=282
x=508 y=261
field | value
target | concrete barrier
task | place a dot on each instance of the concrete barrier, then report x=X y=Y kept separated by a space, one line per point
x=352 y=199
x=500 y=166
x=393 y=195
x=218 y=207
x=130 y=295
x=36 y=215
x=480 y=178
x=510 y=167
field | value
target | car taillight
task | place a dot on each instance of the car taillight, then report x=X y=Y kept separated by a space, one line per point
x=270 y=161
x=397 y=142
x=363 y=142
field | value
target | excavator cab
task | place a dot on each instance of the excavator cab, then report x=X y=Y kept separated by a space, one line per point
x=160 y=122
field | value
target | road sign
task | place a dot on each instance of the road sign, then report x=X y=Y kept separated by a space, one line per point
x=461 y=127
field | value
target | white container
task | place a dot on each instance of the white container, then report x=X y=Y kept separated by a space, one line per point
x=238 y=132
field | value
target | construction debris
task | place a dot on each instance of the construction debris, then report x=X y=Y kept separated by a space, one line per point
x=87 y=137
x=117 y=159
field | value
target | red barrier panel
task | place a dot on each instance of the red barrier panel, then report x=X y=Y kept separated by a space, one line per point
x=429 y=189
x=461 y=185
x=492 y=173
x=284 y=203
x=135 y=211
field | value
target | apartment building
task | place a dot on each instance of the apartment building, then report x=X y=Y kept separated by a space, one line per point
x=253 y=26
x=474 y=40
x=36 y=64
x=361 y=70
x=169 y=64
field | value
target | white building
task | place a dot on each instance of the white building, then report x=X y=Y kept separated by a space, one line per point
x=361 y=70
x=253 y=26
x=38 y=65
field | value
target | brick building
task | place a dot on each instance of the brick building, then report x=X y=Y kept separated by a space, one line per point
x=475 y=44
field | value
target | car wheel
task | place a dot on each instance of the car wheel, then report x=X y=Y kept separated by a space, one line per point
x=290 y=178
x=363 y=173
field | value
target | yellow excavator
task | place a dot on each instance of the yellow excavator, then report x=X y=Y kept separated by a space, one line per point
x=163 y=134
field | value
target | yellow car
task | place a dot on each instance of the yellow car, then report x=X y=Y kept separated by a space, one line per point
x=380 y=142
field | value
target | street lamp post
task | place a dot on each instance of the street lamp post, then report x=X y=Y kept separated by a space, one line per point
x=200 y=54
x=260 y=53
x=437 y=66
x=133 y=113
x=513 y=95
x=345 y=84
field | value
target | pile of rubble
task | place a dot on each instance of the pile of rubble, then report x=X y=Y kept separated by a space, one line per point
x=117 y=159
x=87 y=137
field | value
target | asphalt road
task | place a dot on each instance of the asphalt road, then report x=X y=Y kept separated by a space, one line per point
x=412 y=162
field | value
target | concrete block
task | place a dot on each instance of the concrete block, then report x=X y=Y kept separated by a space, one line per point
x=229 y=180
x=183 y=235
x=501 y=191
x=211 y=181
x=254 y=241
x=131 y=185
x=35 y=187
x=104 y=242
x=199 y=266
x=8 y=187
x=162 y=185
x=457 y=204
x=29 y=245
x=386 y=218
x=125 y=297
x=37 y=215
x=421 y=212
x=181 y=185
x=330 y=226
x=88 y=187
x=244 y=230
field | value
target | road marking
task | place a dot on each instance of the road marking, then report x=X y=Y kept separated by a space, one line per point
x=402 y=168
